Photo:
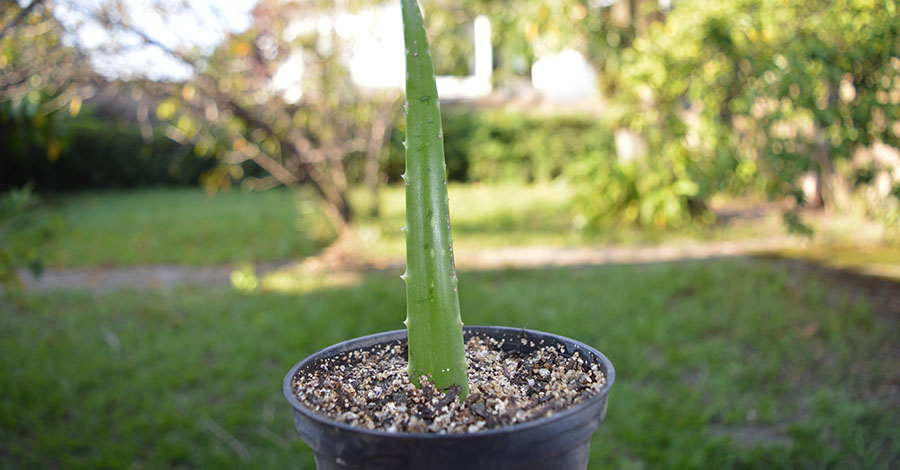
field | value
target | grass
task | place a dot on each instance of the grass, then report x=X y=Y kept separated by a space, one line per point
x=484 y=216
x=503 y=215
x=783 y=369
x=184 y=226
x=187 y=226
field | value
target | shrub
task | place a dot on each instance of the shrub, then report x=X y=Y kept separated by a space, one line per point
x=22 y=233
x=749 y=95
x=95 y=153
x=637 y=192
x=496 y=146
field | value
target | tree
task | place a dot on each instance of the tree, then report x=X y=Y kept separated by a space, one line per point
x=315 y=139
x=38 y=78
x=739 y=93
x=228 y=107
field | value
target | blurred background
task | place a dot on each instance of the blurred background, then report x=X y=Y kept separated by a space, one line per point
x=194 y=195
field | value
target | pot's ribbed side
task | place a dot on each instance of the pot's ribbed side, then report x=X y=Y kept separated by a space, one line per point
x=561 y=441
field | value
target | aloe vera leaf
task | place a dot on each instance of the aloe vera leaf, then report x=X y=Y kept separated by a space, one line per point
x=433 y=322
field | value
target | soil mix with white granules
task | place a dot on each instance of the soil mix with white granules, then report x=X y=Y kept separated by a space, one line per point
x=369 y=388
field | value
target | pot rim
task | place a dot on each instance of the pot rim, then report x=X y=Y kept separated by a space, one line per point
x=610 y=374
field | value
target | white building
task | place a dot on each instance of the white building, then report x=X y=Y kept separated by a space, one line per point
x=374 y=38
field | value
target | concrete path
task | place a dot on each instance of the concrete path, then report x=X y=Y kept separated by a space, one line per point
x=536 y=256
x=134 y=277
x=170 y=276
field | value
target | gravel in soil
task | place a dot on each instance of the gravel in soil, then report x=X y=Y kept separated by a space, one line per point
x=369 y=388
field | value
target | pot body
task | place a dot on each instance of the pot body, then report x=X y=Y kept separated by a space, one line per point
x=561 y=441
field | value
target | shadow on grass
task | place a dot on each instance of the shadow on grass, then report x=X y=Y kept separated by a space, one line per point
x=731 y=363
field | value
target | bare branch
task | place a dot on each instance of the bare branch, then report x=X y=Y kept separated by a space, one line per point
x=252 y=152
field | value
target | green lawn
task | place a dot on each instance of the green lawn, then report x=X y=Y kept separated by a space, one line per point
x=184 y=226
x=502 y=215
x=187 y=226
x=722 y=364
x=483 y=216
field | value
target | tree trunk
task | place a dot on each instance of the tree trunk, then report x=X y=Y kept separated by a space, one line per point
x=834 y=191
x=371 y=180
x=380 y=130
x=337 y=205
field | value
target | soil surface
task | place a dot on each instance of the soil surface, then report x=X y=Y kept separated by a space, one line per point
x=370 y=388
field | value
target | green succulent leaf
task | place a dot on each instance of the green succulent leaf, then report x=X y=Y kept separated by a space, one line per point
x=433 y=321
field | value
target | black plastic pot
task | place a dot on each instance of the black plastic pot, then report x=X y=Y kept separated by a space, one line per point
x=561 y=441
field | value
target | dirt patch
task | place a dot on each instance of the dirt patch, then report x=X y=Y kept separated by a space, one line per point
x=370 y=388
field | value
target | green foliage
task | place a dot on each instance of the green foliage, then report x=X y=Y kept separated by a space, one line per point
x=498 y=146
x=522 y=32
x=142 y=379
x=23 y=233
x=451 y=35
x=51 y=136
x=433 y=321
x=739 y=95
x=33 y=123
x=501 y=146
x=638 y=192
x=37 y=96
x=95 y=153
